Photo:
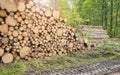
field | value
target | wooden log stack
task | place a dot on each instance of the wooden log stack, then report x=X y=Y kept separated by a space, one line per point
x=29 y=30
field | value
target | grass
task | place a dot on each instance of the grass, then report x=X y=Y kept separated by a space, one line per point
x=109 y=47
x=106 y=50
x=12 y=68
x=75 y=59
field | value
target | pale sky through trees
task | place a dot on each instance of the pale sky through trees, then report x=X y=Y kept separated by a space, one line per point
x=70 y=4
x=47 y=2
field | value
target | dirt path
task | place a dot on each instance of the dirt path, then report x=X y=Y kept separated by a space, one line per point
x=110 y=67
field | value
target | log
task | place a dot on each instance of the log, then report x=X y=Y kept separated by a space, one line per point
x=21 y=6
x=33 y=9
x=8 y=48
x=5 y=40
x=11 y=29
x=71 y=45
x=25 y=34
x=56 y=14
x=4 y=28
x=29 y=5
x=3 y=13
x=11 y=13
x=15 y=33
x=7 y=58
x=37 y=9
x=48 y=37
x=11 y=38
x=25 y=51
x=48 y=13
x=19 y=19
x=1 y=52
x=20 y=37
x=9 y=5
x=36 y=30
x=10 y=21
x=1 y=19
x=59 y=32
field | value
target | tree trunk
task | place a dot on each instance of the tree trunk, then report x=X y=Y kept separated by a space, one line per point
x=116 y=23
x=102 y=16
x=105 y=13
x=111 y=20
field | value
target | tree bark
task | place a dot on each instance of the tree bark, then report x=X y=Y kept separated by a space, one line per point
x=111 y=19
x=116 y=23
x=105 y=13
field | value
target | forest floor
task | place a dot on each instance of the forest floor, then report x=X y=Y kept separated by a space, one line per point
x=108 y=67
x=106 y=51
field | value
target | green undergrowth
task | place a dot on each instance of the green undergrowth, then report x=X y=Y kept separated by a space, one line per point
x=108 y=49
x=12 y=68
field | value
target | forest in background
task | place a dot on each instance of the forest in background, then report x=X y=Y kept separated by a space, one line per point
x=105 y=13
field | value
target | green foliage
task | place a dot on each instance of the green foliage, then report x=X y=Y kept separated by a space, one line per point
x=68 y=9
x=102 y=13
x=93 y=12
x=88 y=10
x=109 y=45
x=13 y=68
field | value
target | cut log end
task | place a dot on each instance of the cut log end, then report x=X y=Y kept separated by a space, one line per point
x=11 y=21
x=24 y=52
x=7 y=58
x=56 y=14
x=15 y=33
x=1 y=52
x=21 y=6
x=48 y=13
x=4 y=28
x=3 y=13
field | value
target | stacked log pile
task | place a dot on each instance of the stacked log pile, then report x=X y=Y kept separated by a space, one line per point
x=29 y=29
x=95 y=33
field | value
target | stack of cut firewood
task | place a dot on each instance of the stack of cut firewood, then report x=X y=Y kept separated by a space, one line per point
x=29 y=29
